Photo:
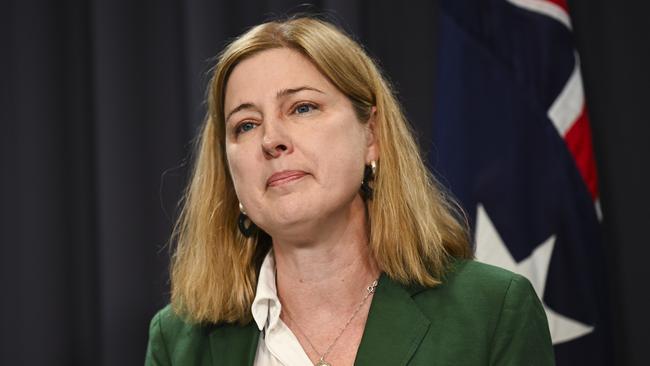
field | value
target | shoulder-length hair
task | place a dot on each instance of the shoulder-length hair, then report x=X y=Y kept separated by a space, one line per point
x=415 y=229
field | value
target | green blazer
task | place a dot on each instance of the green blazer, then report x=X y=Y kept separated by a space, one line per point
x=480 y=315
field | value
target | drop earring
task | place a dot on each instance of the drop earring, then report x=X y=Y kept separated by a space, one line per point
x=368 y=176
x=244 y=223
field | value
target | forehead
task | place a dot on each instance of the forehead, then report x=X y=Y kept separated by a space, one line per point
x=270 y=71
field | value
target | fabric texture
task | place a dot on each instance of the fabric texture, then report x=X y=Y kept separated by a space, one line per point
x=480 y=315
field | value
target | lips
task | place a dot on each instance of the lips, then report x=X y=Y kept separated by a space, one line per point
x=284 y=177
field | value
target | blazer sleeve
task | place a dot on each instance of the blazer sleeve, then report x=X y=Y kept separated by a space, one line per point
x=521 y=336
x=157 y=354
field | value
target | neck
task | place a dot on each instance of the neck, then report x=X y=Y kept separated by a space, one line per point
x=329 y=271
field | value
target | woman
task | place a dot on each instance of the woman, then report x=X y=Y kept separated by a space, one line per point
x=312 y=232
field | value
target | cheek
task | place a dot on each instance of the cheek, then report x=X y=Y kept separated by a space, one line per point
x=242 y=170
x=234 y=165
x=343 y=161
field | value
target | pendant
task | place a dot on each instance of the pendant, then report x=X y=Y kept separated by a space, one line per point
x=322 y=362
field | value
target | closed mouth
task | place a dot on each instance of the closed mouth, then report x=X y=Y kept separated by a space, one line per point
x=284 y=177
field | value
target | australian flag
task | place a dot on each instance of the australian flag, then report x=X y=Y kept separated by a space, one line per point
x=513 y=144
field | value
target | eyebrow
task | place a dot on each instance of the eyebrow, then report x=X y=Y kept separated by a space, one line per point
x=240 y=108
x=280 y=94
x=285 y=92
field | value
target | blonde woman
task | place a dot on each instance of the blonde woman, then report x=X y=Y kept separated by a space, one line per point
x=312 y=233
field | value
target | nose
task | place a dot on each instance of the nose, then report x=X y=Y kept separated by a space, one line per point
x=275 y=141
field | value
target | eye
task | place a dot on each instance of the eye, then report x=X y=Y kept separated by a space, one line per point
x=245 y=127
x=303 y=108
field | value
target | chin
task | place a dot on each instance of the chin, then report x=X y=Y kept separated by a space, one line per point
x=290 y=230
x=290 y=223
x=289 y=218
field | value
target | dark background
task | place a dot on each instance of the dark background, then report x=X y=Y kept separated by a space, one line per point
x=99 y=102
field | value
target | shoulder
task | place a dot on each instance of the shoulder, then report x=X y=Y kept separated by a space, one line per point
x=482 y=288
x=496 y=310
x=172 y=339
x=470 y=275
x=170 y=325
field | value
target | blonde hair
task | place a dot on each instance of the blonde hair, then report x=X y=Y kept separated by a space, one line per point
x=414 y=228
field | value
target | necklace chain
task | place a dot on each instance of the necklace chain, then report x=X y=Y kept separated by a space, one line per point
x=321 y=362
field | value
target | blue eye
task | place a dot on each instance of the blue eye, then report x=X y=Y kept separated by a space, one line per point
x=304 y=108
x=245 y=127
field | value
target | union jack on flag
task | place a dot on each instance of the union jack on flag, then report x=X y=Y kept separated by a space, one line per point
x=513 y=143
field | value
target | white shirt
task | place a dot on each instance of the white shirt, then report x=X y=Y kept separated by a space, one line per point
x=277 y=345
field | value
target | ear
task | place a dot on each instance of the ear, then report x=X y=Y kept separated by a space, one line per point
x=372 y=143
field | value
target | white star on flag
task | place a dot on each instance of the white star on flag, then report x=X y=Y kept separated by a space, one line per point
x=491 y=249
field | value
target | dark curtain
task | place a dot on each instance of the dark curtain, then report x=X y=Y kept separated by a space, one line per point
x=100 y=101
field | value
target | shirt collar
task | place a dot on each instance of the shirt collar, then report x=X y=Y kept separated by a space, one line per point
x=266 y=306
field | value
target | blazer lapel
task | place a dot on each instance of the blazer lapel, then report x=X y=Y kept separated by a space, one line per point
x=395 y=326
x=234 y=344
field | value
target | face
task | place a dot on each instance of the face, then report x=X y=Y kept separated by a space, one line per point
x=295 y=148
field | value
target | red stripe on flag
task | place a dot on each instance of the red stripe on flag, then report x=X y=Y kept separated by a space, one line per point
x=561 y=3
x=578 y=139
